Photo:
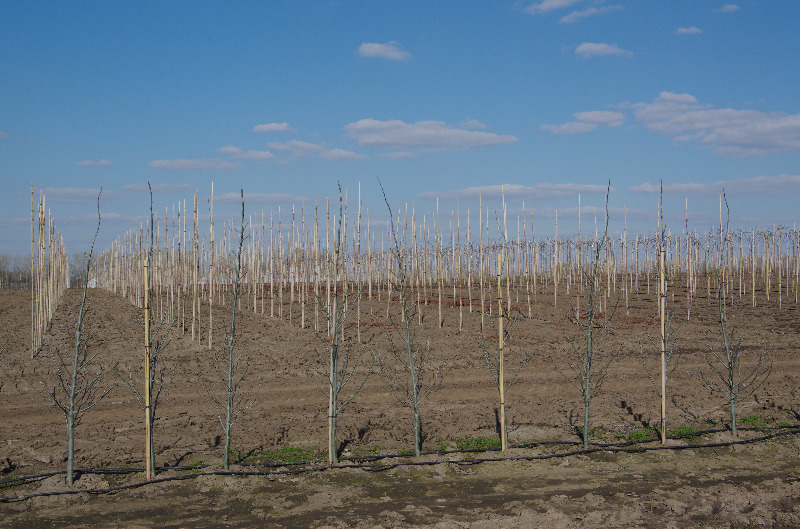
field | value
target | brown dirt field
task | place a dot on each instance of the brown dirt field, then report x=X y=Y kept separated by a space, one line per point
x=745 y=485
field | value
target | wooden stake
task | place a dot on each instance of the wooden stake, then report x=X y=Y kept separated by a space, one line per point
x=147 y=409
x=501 y=373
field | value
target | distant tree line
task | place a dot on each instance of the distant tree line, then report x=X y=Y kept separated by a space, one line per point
x=15 y=271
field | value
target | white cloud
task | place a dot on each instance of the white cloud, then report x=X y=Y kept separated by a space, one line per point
x=250 y=198
x=88 y=163
x=298 y=148
x=727 y=8
x=271 y=127
x=472 y=124
x=587 y=122
x=727 y=131
x=601 y=117
x=678 y=98
x=543 y=191
x=425 y=136
x=760 y=185
x=238 y=154
x=341 y=155
x=198 y=164
x=390 y=51
x=691 y=30
x=599 y=49
x=590 y=12
x=571 y=127
x=545 y=6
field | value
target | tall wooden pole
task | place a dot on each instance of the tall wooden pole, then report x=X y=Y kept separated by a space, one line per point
x=211 y=267
x=663 y=310
x=500 y=372
x=147 y=409
x=34 y=345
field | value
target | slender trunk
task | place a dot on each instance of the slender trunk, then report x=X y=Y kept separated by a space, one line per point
x=586 y=423
x=333 y=391
x=417 y=433
x=226 y=456
x=70 y=443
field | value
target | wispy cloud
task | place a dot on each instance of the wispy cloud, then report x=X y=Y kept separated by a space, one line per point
x=271 y=127
x=727 y=131
x=198 y=164
x=3 y=135
x=691 y=30
x=390 y=51
x=545 y=6
x=298 y=148
x=77 y=195
x=238 y=154
x=760 y=185
x=341 y=155
x=543 y=191
x=261 y=198
x=424 y=136
x=589 y=12
x=472 y=124
x=587 y=122
x=599 y=49
x=727 y=8
x=95 y=163
x=160 y=188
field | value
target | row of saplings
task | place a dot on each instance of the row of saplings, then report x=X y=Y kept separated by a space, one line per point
x=408 y=369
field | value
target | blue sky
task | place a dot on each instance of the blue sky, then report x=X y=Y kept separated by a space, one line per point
x=548 y=98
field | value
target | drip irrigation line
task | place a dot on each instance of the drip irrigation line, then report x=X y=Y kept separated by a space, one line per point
x=368 y=467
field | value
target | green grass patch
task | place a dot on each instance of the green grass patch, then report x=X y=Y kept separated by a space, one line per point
x=752 y=420
x=686 y=432
x=11 y=484
x=476 y=443
x=597 y=434
x=642 y=435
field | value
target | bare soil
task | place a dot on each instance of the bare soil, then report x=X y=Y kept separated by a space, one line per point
x=741 y=485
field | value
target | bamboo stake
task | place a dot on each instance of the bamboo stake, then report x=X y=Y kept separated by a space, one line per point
x=147 y=404
x=501 y=373
x=663 y=311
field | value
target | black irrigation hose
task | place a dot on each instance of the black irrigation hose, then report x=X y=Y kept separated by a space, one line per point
x=370 y=467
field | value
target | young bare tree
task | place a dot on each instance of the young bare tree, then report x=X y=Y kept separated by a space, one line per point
x=338 y=362
x=731 y=374
x=228 y=395
x=496 y=356
x=155 y=374
x=158 y=376
x=670 y=359
x=407 y=369
x=589 y=371
x=78 y=380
